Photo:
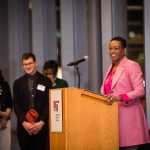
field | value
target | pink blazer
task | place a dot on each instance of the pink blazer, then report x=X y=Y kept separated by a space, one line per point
x=128 y=80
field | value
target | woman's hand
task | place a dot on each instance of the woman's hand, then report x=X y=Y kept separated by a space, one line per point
x=3 y=123
x=5 y=114
x=111 y=98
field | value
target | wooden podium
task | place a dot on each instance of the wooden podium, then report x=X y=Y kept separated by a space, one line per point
x=85 y=121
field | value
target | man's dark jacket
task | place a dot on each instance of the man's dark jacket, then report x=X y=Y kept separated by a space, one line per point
x=21 y=97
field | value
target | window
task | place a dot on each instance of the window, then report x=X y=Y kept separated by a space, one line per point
x=135 y=31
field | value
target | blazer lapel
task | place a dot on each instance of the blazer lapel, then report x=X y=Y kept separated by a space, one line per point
x=117 y=75
x=36 y=82
x=25 y=87
x=119 y=71
x=107 y=73
x=102 y=87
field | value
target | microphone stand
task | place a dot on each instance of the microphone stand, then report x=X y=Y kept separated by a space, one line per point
x=77 y=69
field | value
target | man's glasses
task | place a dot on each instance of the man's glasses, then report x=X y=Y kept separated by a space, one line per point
x=28 y=64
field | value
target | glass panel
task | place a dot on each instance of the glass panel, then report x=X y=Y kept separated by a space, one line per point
x=136 y=34
x=58 y=34
x=135 y=31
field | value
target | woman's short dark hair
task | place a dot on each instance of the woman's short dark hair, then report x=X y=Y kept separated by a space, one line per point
x=1 y=76
x=51 y=64
x=122 y=41
x=28 y=55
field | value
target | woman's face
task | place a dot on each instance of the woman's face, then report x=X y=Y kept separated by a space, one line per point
x=116 y=51
x=49 y=73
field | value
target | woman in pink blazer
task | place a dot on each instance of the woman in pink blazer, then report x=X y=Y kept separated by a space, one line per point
x=124 y=83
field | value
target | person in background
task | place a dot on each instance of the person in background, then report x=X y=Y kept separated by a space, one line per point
x=5 y=110
x=31 y=105
x=124 y=83
x=50 y=69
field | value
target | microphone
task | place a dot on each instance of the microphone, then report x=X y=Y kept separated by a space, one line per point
x=76 y=62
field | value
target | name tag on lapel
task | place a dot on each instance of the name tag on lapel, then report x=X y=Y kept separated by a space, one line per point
x=41 y=87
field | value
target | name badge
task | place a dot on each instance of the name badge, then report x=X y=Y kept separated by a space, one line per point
x=41 y=87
